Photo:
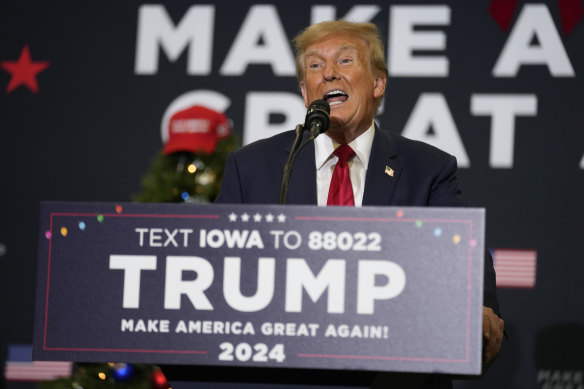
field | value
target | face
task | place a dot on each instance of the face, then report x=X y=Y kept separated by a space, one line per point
x=338 y=70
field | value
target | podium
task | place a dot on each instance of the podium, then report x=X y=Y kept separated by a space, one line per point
x=268 y=293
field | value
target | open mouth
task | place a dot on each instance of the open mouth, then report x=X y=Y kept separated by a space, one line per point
x=335 y=97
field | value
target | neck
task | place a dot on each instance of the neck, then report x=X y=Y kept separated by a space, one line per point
x=345 y=135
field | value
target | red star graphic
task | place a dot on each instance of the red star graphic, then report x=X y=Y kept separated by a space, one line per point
x=24 y=71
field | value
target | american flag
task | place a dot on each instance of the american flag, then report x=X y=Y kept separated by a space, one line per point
x=515 y=268
x=20 y=366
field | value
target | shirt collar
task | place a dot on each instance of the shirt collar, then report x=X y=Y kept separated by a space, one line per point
x=324 y=147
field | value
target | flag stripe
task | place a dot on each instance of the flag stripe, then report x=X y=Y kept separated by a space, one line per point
x=503 y=271
x=510 y=279
x=515 y=281
x=516 y=259
x=36 y=371
x=515 y=268
x=20 y=366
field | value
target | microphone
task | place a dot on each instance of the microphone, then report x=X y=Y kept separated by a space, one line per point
x=317 y=117
x=317 y=121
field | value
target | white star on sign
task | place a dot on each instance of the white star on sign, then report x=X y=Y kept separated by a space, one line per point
x=245 y=217
x=232 y=217
x=281 y=218
x=257 y=218
x=269 y=218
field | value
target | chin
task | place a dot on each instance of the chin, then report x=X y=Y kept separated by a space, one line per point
x=335 y=121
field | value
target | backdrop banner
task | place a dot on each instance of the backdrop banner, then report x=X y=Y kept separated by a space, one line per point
x=371 y=288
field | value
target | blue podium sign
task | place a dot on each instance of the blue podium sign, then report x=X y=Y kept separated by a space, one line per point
x=371 y=288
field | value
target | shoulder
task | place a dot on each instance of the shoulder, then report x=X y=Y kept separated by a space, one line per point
x=252 y=173
x=427 y=174
x=266 y=147
x=409 y=147
x=413 y=153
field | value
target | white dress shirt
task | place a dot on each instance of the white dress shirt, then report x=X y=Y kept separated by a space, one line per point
x=326 y=161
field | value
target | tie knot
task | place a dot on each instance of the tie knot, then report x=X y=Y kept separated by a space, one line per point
x=344 y=152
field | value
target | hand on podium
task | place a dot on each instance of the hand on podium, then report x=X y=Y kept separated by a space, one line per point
x=492 y=334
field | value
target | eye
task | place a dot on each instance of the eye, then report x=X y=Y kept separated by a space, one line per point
x=346 y=61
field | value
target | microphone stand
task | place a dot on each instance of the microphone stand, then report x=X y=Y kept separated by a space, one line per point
x=288 y=167
x=296 y=148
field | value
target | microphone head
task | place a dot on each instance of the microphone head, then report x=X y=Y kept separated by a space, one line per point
x=318 y=116
x=320 y=104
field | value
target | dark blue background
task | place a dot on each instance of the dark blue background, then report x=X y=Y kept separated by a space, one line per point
x=93 y=128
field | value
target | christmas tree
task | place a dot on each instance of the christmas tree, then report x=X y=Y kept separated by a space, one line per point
x=190 y=166
x=188 y=169
x=111 y=376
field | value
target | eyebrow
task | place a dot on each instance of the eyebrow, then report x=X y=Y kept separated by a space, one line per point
x=339 y=50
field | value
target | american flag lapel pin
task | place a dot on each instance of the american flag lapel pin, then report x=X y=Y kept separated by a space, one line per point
x=389 y=171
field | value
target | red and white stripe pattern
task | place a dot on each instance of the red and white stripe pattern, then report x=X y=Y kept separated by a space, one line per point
x=515 y=268
x=20 y=366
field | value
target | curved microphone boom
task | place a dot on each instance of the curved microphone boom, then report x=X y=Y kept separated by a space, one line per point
x=317 y=121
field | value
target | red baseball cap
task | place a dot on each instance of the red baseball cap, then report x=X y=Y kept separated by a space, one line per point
x=196 y=129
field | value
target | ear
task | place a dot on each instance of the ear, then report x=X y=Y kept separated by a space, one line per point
x=379 y=86
x=303 y=90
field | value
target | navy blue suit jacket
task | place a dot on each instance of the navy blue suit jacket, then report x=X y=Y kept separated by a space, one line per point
x=423 y=175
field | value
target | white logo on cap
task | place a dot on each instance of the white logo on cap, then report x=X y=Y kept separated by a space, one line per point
x=208 y=98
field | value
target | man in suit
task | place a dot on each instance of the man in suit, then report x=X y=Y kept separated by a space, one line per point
x=344 y=64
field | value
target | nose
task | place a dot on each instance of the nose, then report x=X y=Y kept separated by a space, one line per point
x=330 y=72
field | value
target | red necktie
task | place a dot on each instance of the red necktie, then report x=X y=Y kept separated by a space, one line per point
x=341 y=191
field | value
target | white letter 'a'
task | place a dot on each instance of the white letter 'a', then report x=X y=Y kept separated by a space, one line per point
x=534 y=21
x=262 y=23
x=195 y=31
x=432 y=112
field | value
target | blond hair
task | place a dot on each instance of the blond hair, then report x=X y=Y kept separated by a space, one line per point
x=366 y=31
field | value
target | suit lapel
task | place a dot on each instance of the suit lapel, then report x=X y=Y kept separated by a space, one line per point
x=302 y=186
x=383 y=171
